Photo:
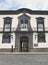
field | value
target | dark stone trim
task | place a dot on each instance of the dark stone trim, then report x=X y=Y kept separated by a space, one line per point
x=40 y=50
x=7 y=50
x=33 y=50
x=24 y=31
x=7 y=18
x=24 y=40
x=41 y=12
x=28 y=24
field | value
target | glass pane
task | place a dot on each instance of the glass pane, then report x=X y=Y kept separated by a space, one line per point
x=6 y=38
x=21 y=21
x=40 y=27
x=7 y=26
x=41 y=37
x=24 y=21
x=7 y=21
x=40 y=24
x=40 y=20
x=24 y=26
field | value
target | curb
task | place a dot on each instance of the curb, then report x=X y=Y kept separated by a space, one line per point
x=24 y=53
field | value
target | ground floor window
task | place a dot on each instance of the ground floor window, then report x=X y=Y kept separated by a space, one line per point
x=41 y=37
x=6 y=38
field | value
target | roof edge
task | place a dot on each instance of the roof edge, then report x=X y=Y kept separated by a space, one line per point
x=40 y=12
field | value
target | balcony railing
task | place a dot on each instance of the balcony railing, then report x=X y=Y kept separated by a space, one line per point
x=31 y=29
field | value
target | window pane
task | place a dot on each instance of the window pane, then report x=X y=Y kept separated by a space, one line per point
x=41 y=37
x=24 y=26
x=24 y=23
x=40 y=22
x=6 y=38
x=7 y=24
x=40 y=27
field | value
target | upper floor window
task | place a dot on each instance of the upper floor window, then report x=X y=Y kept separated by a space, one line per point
x=7 y=23
x=24 y=23
x=40 y=24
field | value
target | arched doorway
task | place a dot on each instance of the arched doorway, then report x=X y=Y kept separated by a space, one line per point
x=24 y=44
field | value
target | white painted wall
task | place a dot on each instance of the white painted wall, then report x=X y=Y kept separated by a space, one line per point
x=7 y=45
x=33 y=23
x=40 y=45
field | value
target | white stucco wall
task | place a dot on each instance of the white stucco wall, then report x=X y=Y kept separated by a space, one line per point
x=33 y=21
x=33 y=24
x=40 y=45
x=7 y=45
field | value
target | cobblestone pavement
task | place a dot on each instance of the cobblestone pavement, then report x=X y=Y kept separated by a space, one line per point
x=22 y=59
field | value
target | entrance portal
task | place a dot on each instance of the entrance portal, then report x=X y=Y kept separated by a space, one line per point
x=24 y=44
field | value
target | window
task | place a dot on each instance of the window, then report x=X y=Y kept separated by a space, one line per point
x=6 y=38
x=40 y=24
x=24 y=20
x=24 y=23
x=7 y=23
x=41 y=37
x=41 y=29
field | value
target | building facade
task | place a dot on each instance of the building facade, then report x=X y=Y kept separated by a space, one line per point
x=23 y=30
